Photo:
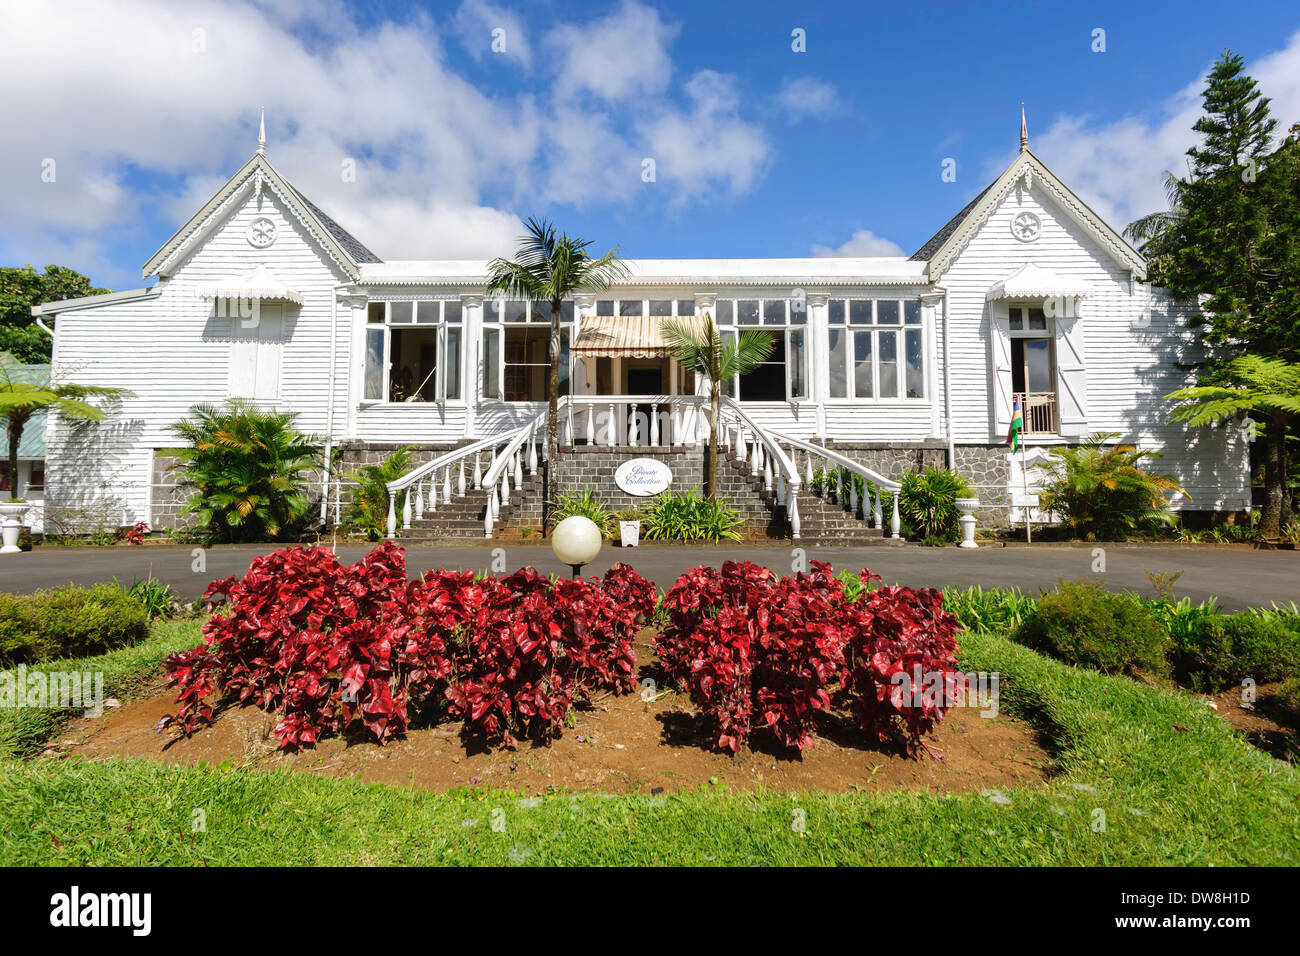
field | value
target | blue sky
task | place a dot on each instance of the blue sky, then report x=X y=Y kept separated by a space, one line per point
x=758 y=150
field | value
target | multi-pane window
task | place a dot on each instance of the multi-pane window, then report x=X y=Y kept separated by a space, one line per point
x=657 y=307
x=784 y=374
x=877 y=348
x=413 y=351
x=517 y=349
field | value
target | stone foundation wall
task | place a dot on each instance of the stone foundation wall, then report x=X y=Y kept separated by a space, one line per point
x=593 y=467
x=987 y=470
x=893 y=461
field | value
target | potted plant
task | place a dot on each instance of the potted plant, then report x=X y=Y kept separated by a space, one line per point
x=11 y=527
x=629 y=528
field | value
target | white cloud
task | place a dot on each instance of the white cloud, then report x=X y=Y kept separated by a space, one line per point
x=476 y=23
x=622 y=56
x=863 y=242
x=1118 y=167
x=147 y=106
x=807 y=96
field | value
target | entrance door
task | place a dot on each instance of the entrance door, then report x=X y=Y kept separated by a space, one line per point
x=644 y=381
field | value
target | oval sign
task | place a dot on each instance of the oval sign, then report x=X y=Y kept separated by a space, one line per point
x=643 y=477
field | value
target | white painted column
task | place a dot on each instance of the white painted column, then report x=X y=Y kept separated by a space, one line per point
x=354 y=306
x=471 y=318
x=819 y=378
x=704 y=302
x=931 y=316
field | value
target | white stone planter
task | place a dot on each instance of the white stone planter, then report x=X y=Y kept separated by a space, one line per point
x=967 y=508
x=630 y=533
x=11 y=525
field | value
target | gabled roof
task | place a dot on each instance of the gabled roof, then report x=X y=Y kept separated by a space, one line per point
x=933 y=244
x=341 y=246
x=944 y=246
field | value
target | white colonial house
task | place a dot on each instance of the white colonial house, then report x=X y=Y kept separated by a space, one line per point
x=880 y=364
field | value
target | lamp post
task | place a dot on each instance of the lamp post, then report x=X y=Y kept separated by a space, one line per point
x=576 y=541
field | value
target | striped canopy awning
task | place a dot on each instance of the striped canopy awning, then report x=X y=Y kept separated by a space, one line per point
x=625 y=336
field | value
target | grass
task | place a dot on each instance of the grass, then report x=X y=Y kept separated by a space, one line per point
x=1195 y=796
x=24 y=731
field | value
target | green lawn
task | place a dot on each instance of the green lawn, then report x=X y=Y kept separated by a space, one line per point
x=1183 y=797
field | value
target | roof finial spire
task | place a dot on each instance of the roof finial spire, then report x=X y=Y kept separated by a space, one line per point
x=261 y=134
x=1024 y=129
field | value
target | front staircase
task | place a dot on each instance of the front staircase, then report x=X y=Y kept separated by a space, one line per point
x=454 y=497
x=822 y=521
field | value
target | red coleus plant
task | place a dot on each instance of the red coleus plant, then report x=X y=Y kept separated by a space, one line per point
x=903 y=670
x=136 y=534
x=331 y=647
x=749 y=645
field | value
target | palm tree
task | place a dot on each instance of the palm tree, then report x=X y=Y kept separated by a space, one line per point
x=369 y=507
x=1252 y=384
x=551 y=267
x=703 y=350
x=24 y=391
x=246 y=468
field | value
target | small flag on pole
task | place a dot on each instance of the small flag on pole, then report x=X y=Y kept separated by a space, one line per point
x=1017 y=424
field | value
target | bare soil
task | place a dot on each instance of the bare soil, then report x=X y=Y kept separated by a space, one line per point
x=620 y=744
x=1264 y=724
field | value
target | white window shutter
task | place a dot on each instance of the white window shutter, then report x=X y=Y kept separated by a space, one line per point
x=243 y=359
x=1000 y=346
x=1072 y=377
x=255 y=354
x=266 y=386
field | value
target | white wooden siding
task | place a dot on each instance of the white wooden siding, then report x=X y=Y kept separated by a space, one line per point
x=1131 y=340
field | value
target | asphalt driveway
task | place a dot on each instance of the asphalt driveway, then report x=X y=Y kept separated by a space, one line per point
x=1238 y=576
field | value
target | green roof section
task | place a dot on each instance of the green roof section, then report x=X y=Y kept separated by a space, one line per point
x=32 y=444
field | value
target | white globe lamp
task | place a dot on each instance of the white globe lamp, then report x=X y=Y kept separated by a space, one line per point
x=576 y=541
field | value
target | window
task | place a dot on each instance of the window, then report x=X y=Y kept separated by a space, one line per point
x=255 y=347
x=516 y=349
x=784 y=375
x=886 y=344
x=413 y=351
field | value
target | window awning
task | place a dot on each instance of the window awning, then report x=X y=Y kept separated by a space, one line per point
x=1032 y=281
x=625 y=336
x=258 y=284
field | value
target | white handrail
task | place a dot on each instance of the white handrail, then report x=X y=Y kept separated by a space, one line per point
x=511 y=456
x=416 y=500
x=840 y=461
x=767 y=460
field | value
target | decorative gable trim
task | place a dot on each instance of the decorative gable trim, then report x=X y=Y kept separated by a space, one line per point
x=1027 y=172
x=257 y=174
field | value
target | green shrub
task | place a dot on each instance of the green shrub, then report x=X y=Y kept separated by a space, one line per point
x=247 y=471
x=1287 y=700
x=689 y=517
x=69 y=621
x=368 y=509
x=927 y=499
x=1102 y=493
x=1225 y=649
x=587 y=505
x=1083 y=624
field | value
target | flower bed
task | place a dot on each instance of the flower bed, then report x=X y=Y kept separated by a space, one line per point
x=749 y=645
x=332 y=648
